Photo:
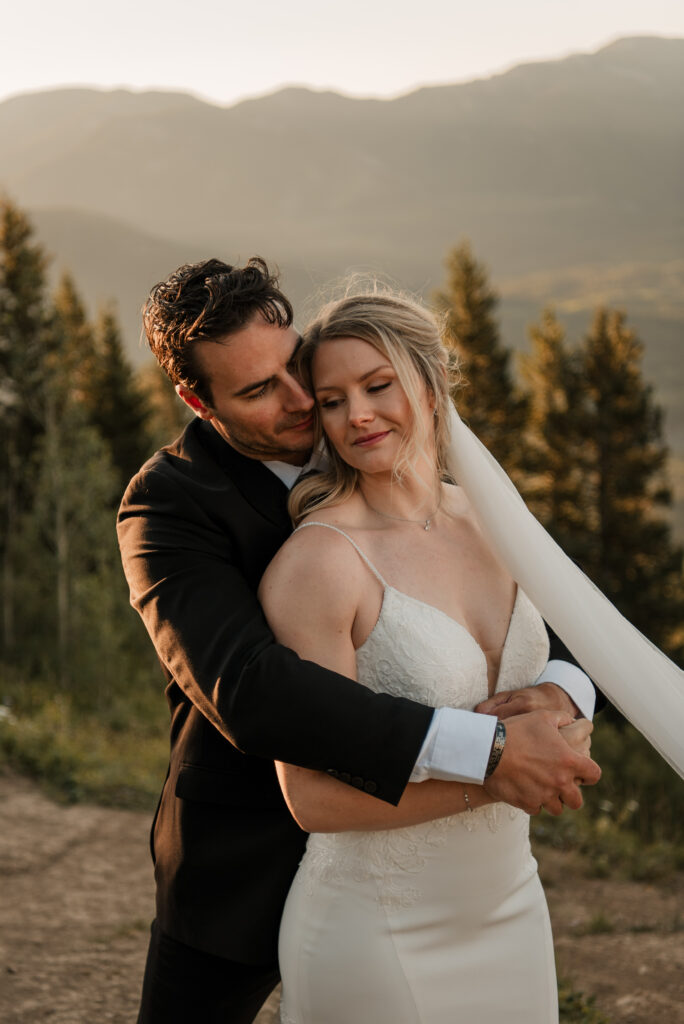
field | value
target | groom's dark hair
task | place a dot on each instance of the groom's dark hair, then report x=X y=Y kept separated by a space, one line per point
x=205 y=302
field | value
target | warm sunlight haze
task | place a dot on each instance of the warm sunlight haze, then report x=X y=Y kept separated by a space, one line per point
x=224 y=52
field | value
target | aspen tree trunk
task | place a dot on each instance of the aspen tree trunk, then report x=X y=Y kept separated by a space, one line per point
x=8 y=595
x=61 y=543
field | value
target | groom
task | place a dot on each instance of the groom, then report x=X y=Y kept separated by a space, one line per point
x=197 y=527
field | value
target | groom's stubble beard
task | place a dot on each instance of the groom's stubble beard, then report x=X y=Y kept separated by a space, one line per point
x=279 y=445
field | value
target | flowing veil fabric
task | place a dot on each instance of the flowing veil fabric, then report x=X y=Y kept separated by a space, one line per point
x=639 y=679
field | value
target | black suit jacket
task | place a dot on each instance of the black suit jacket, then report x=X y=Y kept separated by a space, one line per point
x=197 y=527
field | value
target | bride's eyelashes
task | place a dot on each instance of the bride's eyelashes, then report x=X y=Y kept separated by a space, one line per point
x=333 y=403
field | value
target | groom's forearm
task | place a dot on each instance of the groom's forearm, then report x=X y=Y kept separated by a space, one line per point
x=458 y=743
x=574 y=682
x=570 y=676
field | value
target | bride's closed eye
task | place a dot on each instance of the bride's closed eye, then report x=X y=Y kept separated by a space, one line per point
x=332 y=403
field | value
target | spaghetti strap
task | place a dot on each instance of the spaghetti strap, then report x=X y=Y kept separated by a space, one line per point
x=329 y=526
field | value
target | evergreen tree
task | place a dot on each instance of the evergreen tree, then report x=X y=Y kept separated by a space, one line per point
x=630 y=552
x=120 y=410
x=486 y=398
x=65 y=614
x=77 y=351
x=169 y=414
x=69 y=550
x=556 y=456
x=22 y=338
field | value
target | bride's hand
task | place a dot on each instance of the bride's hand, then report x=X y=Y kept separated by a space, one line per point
x=577 y=735
x=545 y=697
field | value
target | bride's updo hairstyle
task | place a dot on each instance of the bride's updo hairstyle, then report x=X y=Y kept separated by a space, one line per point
x=409 y=336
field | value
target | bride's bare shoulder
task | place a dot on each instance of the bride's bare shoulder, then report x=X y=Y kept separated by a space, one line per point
x=317 y=557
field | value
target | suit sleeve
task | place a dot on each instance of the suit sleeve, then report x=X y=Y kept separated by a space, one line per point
x=559 y=652
x=210 y=634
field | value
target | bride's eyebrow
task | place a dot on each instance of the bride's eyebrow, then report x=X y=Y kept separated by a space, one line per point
x=360 y=380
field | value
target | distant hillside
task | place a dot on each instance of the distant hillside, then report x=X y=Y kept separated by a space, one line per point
x=566 y=175
x=549 y=165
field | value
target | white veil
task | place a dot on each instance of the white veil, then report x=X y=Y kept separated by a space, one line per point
x=639 y=679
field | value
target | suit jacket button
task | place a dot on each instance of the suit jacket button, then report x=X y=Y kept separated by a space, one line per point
x=370 y=787
x=357 y=782
x=332 y=771
x=345 y=777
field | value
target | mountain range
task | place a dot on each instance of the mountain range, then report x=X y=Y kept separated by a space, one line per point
x=566 y=176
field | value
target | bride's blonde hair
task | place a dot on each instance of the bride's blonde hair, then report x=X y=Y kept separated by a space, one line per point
x=409 y=336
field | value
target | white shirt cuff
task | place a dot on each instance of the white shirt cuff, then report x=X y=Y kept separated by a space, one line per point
x=574 y=681
x=456 y=747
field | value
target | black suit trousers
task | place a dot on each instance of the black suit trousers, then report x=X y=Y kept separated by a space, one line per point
x=183 y=985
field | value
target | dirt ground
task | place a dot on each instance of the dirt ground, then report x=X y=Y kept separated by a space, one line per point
x=76 y=900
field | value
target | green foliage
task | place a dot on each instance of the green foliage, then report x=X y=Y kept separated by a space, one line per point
x=631 y=555
x=555 y=456
x=23 y=333
x=73 y=418
x=115 y=755
x=485 y=397
x=575 y=1008
x=117 y=406
x=632 y=822
x=596 y=470
x=599 y=924
x=169 y=415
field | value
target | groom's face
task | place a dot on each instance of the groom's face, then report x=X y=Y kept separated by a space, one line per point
x=257 y=403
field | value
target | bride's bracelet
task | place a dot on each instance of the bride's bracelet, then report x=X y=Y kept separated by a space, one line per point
x=498 y=745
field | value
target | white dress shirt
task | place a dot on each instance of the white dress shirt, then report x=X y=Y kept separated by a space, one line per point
x=457 y=744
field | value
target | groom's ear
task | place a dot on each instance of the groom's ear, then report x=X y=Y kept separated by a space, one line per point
x=194 y=403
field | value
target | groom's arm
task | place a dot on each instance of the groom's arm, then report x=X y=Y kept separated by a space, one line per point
x=187 y=582
x=455 y=748
x=210 y=634
x=562 y=686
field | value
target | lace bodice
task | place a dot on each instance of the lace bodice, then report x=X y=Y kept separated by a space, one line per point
x=405 y=924
x=415 y=650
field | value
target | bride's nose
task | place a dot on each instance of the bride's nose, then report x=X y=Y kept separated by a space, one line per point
x=359 y=411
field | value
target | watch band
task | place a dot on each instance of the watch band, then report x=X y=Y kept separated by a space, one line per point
x=498 y=744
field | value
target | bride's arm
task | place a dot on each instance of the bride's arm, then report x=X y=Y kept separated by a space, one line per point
x=319 y=803
x=310 y=594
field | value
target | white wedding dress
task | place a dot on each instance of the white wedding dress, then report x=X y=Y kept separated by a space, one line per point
x=441 y=923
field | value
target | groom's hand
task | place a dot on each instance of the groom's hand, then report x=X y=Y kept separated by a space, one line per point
x=545 y=697
x=538 y=768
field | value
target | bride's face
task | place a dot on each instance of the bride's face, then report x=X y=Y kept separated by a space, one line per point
x=364 y=409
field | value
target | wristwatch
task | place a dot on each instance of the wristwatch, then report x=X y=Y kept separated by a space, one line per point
x=498 y=744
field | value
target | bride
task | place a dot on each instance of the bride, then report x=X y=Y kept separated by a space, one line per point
x=431 y=911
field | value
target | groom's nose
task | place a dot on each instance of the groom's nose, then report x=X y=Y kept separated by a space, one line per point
x=297 y=398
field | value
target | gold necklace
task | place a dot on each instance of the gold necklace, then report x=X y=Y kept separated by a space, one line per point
x=426 y=523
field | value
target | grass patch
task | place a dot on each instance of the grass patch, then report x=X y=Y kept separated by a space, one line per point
x=576 y=1008
x=115 y=756
x=609 y=848
x=599 y=924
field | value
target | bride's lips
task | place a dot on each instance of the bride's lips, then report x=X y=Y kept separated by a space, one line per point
x=370 y=439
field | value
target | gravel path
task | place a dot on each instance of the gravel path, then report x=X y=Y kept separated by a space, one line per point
x=76 y=898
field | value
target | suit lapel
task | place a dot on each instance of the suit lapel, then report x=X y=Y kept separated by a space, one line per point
x=258 y=485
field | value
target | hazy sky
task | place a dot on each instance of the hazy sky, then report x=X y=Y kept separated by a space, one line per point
x=224 y=50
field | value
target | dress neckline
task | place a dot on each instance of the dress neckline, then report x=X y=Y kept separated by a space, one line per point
x=386 y=587
x=445 y=615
